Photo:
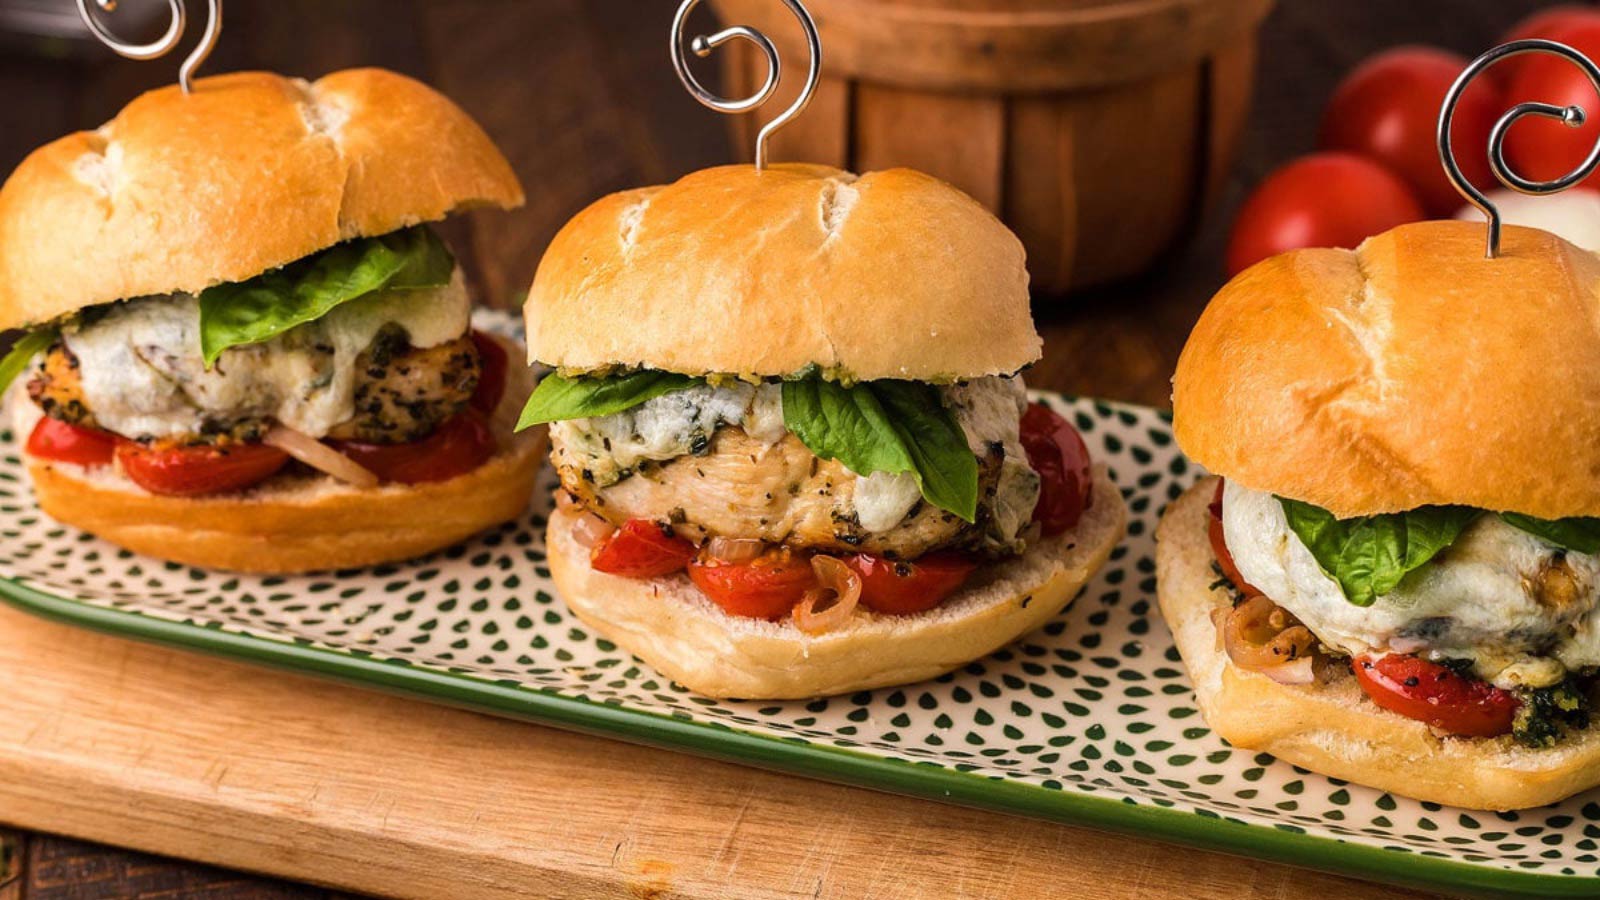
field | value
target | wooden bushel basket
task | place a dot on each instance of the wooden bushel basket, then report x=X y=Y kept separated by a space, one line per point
x=1099 y=130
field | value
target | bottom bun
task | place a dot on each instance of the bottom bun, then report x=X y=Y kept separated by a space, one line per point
x=1333 y=728
x=296 y=523
x=669 y=624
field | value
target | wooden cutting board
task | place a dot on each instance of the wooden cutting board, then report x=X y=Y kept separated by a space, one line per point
x=183 y=755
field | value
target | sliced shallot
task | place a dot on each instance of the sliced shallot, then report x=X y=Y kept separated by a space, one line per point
x=1260 y=636
x=1300 y=671
x=838 y=594
x=735 y=550
x=319 y=456
x=589 y=529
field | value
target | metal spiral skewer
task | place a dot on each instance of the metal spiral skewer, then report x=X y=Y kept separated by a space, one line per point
x=702 y=45
x=1571 y=116
x=163 y=45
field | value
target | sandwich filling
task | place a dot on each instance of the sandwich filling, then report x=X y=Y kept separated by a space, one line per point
x=1479 y=623
x=720 y=461
x=805 y=498
x=357 y=363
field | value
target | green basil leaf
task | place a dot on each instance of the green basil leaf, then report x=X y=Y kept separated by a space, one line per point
x=1579 y=534
x=557 y=399
x=887 y=426
x=22 y=352
x=946 y=469
x=1369 y=555
x=271 y=303
x=846 y=424
x=426 y=261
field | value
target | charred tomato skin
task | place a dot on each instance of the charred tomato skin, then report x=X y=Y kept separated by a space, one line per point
x=1436 y=694
x=904 y=588
x=60 y=441
x=641 y=549
x=767 y=587
x=455 y=448
x=1056 y=451
x=198 y=469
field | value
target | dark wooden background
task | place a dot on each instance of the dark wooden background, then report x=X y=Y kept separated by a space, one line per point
x=580 y=95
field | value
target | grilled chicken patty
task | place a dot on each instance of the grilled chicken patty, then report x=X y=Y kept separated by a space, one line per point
x=719 y=462
x=402 y=393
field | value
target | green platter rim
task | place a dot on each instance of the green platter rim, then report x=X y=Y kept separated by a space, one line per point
x=827 y=763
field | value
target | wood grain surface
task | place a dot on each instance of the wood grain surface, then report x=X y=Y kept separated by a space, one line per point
x=134 y=746
x=1054 y=140
x=161 y=750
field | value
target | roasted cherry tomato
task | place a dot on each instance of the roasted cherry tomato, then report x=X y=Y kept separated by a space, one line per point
x=1542 y=24
x=491 y=373
x=200 y=469
x=455 y=448
x=1219 y=547
x=1388 y=110
x=60 y=441
x=903 y=588
x=1431 y=693
x=641 y=549
x=766 y=587
x=1321 y=200
x=1543 y=149
x=1056 y=451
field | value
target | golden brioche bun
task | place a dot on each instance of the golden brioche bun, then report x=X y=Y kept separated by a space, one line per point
x=1333 y=728
x=1410 y=372
x=297 y=523
x=250 y=172
x=891 y=274
x=669 y=624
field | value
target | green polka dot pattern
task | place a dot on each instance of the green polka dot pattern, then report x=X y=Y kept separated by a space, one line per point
x=1095 y=704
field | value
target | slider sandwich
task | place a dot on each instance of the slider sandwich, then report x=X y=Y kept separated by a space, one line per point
x=1396 y=578
x=245 y=348
x=795 y=451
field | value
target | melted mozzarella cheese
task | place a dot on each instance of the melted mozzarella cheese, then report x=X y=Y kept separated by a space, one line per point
x=143 y=374
x=1478 y=600
x=883 y=499
x=670 y=426
x=989 y=411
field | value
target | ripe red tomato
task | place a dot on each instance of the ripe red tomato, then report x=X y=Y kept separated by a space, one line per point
x=904 y=588
x=1431 y=693
x=641 y=549
x=1541 y=24
x=455 y=448
x=1388 y=110
x=1543 y=149
x=60 y=441
x=766 y=587
x=1321 y=200
x=1056 y=451
x=491 y=373
x=200 y=469
x=1219 y=547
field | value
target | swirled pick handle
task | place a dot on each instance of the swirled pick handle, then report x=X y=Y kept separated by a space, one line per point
x=1572 y=116
x=702 y=45
x=163 y=45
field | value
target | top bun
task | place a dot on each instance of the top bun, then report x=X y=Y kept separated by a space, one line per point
x=250 y=172
x=731 y=270
x=1410 y=372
